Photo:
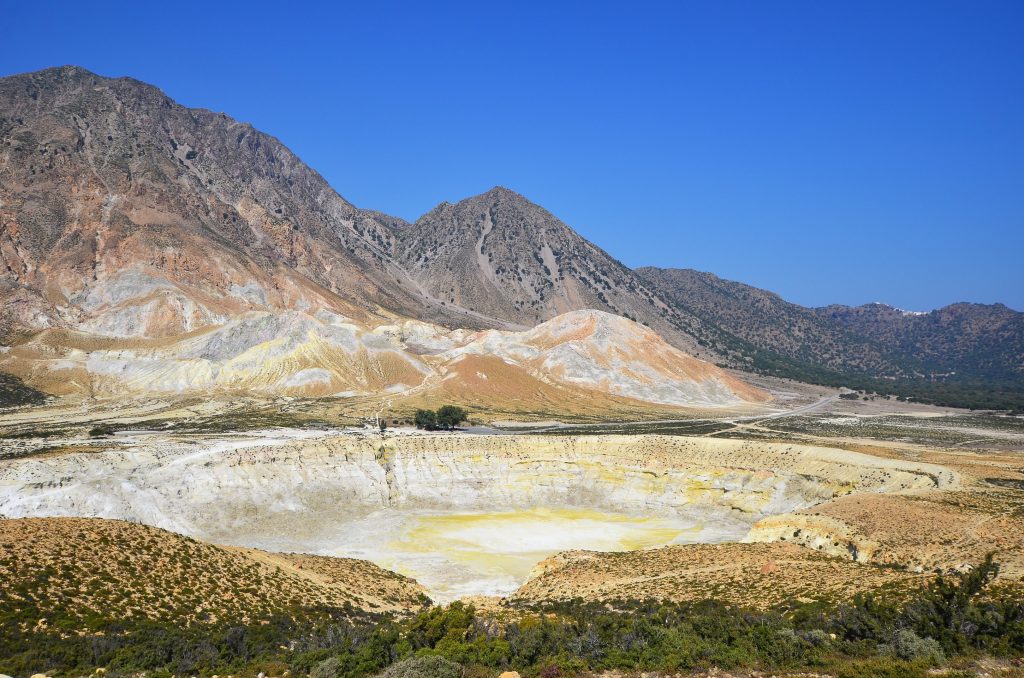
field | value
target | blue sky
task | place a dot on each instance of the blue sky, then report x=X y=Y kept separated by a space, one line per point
x=833 y=152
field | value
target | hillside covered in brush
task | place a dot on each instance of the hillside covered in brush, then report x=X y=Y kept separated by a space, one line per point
x=968 y=354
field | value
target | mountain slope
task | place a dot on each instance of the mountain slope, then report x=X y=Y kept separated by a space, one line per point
x=961 y=343
x=579 y=362
x=596 y=360
x=76 y=593
x=124 y=213
x=970 y=341
x=739 y=320
x=91 y=561
x=500 y=254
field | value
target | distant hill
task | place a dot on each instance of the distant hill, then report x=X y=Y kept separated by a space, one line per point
x=945 y=355
x=962 y=341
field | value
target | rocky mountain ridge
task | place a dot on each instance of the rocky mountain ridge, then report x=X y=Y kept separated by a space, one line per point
x=128 y=216
x=959 y=342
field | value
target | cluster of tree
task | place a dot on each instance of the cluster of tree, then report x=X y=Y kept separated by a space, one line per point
x=953 y=618
x=447 y=417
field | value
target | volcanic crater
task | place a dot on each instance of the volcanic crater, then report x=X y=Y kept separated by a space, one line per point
x=463 y=514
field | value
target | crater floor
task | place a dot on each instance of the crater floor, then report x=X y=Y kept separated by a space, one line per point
x=457 y=554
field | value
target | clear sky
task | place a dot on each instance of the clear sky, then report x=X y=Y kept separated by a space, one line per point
x=833 y=152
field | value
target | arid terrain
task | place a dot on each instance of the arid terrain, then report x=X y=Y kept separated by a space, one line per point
x=215 y=374
x=754 y=479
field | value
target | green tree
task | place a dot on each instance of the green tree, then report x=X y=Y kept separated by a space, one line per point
x=426 y=419
x=450 y=416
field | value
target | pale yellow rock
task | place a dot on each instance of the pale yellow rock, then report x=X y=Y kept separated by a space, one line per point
x=509 y=674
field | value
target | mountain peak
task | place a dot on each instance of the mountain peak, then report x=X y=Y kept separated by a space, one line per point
x=502 y=192
x=499 y=195
x=67 y=72
x=499 y=254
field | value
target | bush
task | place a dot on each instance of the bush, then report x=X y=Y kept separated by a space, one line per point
x=450 y=416
x=428 y=666
x=873 y=637
x=328 y=668
x=909 y=646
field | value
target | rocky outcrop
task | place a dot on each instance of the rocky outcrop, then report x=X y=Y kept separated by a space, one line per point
x=920 y=532
x=816 y=532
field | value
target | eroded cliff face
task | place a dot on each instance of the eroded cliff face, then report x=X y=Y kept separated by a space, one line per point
x=214 y=487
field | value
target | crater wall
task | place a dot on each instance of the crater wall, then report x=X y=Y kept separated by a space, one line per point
x=282 y=487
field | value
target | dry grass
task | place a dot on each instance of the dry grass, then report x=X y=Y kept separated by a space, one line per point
x=759 y=576
x=87 y=568
x=937 y=531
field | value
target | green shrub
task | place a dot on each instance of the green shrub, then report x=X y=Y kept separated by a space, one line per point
x=328 y=668
x=446 y=417
x=426 y=419
x=450 y=416
x=954 y=617
x=426 y=666
x=909 y=646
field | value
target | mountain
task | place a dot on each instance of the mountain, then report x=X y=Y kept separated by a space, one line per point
x=210 y=256
x=983 y=341
x=146 y=247
x=126 y=214
x=123 y=213
x=740 y=322
x=872 y=345
x=499 y=254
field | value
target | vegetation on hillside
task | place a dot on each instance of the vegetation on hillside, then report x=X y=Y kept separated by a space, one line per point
x=964 y=355
x=15 y=393
x=952 y=620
